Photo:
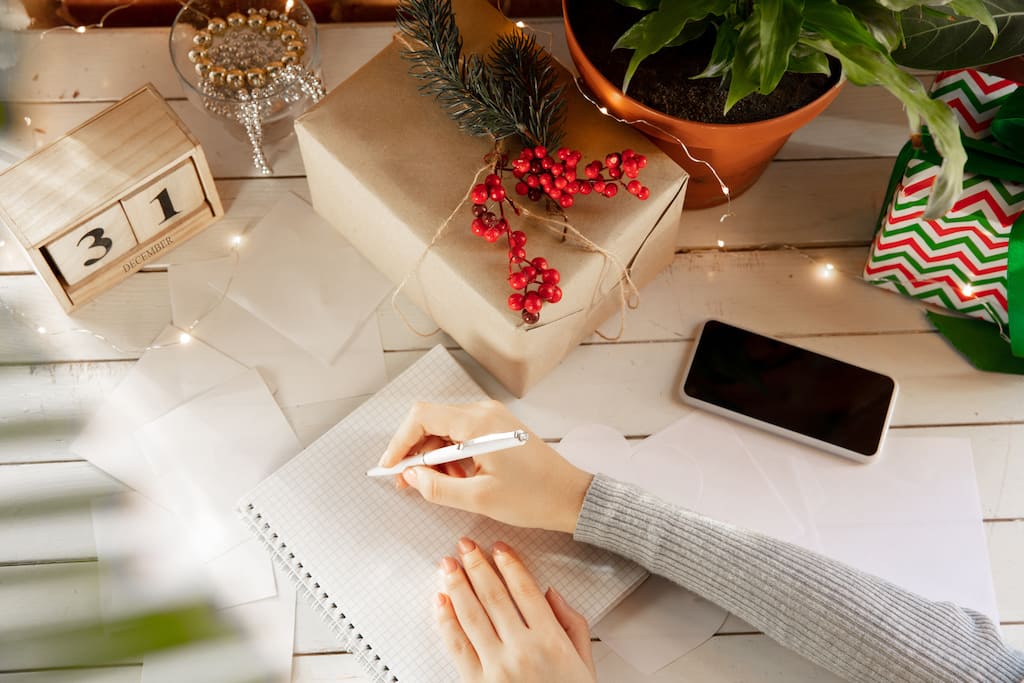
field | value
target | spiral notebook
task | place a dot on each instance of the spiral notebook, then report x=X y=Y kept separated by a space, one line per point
x=367 y=555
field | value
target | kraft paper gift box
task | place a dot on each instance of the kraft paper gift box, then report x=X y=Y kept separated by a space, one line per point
x=387 y=167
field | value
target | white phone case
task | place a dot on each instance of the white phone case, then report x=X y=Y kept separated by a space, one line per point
x=767 y=426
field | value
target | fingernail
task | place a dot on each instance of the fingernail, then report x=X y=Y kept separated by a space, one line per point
x=466 y=545
x=501 y=548
x=449 y=565
x=439 y=600
x=410 y=476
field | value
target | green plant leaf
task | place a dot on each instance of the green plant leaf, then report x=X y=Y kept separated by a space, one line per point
x=639 y=4
x=942 y=40
x=693 y=30
x=882 y=22
x=975 y=9
x=633 y=38
x=900 y=5
x=866 y=66
x=744 y=75
x=721 y=54
x=804 y=60
x=779 y=23
x=839 y=24
x=663 y=25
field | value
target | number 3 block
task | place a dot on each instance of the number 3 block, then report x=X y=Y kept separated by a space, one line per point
x=92 y=246
x=110 y=197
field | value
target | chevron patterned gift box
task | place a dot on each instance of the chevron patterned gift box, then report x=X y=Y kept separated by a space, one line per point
x=959 y=261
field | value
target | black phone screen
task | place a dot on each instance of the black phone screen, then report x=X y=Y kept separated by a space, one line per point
x=790 y=387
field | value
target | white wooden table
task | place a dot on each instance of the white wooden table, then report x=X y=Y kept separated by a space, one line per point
x=817 y=203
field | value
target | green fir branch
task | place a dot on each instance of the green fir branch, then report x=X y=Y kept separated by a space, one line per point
x=511 y=92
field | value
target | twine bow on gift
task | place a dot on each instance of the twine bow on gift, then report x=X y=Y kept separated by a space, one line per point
x=629 y=293
x=988 y=347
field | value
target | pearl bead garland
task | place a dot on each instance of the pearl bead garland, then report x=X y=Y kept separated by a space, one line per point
x=246 y=51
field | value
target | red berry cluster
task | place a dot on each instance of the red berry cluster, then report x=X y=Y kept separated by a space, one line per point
x=539 y=174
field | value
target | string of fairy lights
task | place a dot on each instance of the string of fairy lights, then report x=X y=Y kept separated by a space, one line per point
x=824 y=270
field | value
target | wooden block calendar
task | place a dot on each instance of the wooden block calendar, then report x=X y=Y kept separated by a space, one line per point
x=109 y=197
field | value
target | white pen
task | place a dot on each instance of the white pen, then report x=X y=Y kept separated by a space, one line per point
x=457 y=451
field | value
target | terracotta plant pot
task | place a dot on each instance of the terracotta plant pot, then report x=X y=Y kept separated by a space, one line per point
x=740 y=152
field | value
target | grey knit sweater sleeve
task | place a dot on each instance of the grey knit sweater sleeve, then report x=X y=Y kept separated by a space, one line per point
x=853 y=624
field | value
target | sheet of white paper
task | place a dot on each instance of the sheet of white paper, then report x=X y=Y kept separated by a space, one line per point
x=145 y=559
x=912 y=518
x=262 y=653
x=658 y=623
x=299 y=276
x=211 y=450
x=295 y=377
x=711 y=472
x=162 y=379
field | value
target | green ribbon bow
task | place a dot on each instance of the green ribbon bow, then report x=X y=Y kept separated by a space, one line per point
x=978 y=340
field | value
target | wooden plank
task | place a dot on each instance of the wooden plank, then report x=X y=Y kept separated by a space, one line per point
x=1006 y=552
x=797 y=203
x=698 y=285
x=127 y=318
x=44 y=407
x=628 y=386
x=849 y=194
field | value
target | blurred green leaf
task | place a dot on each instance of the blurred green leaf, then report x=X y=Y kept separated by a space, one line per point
x=722 y=53
x=942 y=39
x=640 y=4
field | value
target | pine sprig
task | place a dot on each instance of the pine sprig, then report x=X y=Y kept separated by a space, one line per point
x=513 y=91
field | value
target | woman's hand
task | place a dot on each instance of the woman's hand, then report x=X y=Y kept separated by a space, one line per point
x=500 y=629
x=529 y=486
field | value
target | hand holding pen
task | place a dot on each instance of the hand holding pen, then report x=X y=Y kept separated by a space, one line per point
x=535 y=487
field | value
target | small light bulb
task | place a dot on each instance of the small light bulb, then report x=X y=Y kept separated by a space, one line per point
x=725 y=190
x=3 y=243
x=967 y=290
x=79 y=29
x=236 y=240
x=827 y=270
x=603 y=110
x=41 y=330
x=521 y=24
x=184 y=338
x=720 y=243
x=288 y=6
x=28 y=120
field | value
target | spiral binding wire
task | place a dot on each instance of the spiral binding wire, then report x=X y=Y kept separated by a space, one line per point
x=347 y=633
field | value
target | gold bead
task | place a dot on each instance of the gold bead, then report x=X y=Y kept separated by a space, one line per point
x=274 y=14
x=256 y=77
x=289 y=58
x=274 y=68
x=203 y=67
x=202 y=39
x=236 y=20
x=196 y=54
x=273 y=28
x=216 y=75
x=296 y=47
x=257 y=21
x=217 y=25
x=288 y=36
x=235 y=78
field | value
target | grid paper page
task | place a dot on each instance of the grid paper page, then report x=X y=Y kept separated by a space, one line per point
x=369 y=554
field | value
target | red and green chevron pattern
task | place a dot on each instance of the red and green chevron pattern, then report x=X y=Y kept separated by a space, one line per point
x=974 y=97
x=958 y=261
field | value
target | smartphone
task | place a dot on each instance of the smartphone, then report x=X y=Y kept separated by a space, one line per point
x=822 y=401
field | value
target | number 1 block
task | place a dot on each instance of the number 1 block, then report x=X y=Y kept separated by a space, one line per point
x=165 y=202
x=109 y=197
